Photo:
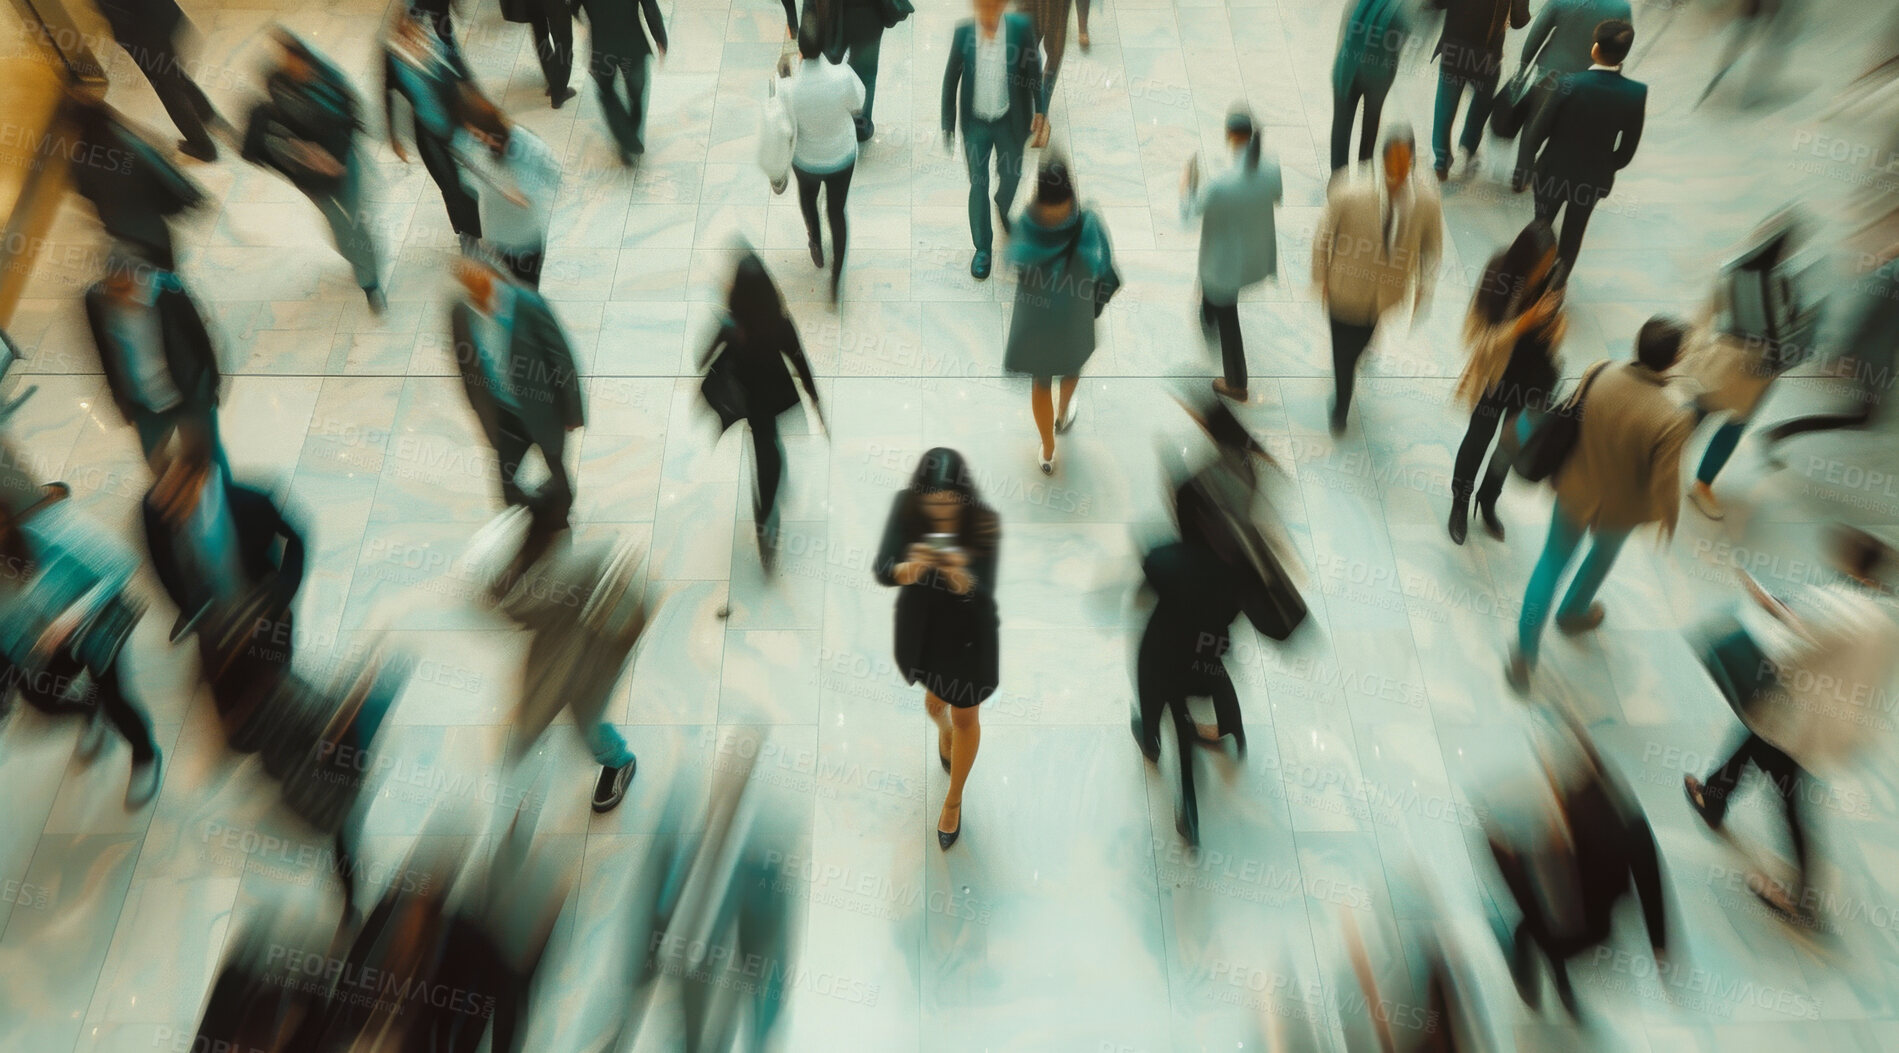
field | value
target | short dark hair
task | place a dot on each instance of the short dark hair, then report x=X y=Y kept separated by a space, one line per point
x=1053 y=186
x=1659 y=343
x=810 y=42
x=1614 y=38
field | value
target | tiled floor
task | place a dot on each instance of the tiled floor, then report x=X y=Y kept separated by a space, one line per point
x=1068 y=917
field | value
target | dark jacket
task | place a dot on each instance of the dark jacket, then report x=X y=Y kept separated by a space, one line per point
x=442 y=82
x=322 y=111
x=1188 y=632
x=540 y=365
x=1588 y=132
x=1025 y=74
x=141 y=21
x=757 y=364
x=188 y=352
x=134 y=188
x=269 y=547
x=616 y=26
x=948 y=642
x=1615 y=851
x=1372 y=39
x=1472 y=43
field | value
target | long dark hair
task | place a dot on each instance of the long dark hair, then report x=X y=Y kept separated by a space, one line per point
x=754 y=304
x=1508 y=273
x=943 y=470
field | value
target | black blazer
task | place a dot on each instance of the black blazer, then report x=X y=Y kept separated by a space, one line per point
x=1025 y=74
x=616 y=26
x=133 y=187
x=141 y=21
x=269 y=547
x=322 y=111
x=540 y=365
x=1589 y=131
x=1198 y=597
x=758 y=365
x=188 y=352
x=1471 y=45
x=966 y=652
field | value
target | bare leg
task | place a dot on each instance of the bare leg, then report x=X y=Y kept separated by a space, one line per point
x=966 y=737
x=1068 y=392
x=1042 y=407
x=1081 y=17
x=939 y=712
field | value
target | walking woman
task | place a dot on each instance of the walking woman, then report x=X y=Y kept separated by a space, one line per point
x=823 y=100
x=1066 y=277
x=1051 y=30
x=940 y=548
x=746 y=379
x=1516 y=323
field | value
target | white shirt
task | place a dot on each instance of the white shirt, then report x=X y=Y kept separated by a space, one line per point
x=528 y=169
x=820 y=101
x=1611 y=69
x=990 y=101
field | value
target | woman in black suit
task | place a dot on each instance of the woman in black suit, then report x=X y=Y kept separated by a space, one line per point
x=940 y=546
x=746 y=378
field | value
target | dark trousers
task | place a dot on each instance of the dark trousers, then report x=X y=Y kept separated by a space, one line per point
x=1232 y=349
x=464 y=211
x=1542 y=93
x=1576 y=203
x=48 y=693
x=980 y=139
x=553 y=31
x=1450 y=92
x=1492 y=410
x=524 y=264
x=1345 y=108
x=864 y=39
x=1348 y=345
x=183 y=100
x=1783 y=772
x=625 y=119
x=768 y=450
x=837 y=190
x=555 y=500
x=1226 y=712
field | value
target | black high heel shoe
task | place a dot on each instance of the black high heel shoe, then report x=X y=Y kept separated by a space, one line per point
x=1492 y=525
x=946 y=838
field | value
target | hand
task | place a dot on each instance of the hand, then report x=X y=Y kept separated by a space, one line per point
x=958 y=580
x=661 y=49
x=949 y=143
x=952 y=559
x=922 y=554
x=395 y=145
x=1038 y=131
x=790 y=33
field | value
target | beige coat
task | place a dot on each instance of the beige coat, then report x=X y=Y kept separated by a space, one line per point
x=1729 y=372
x=1361 y=278
x=1626 y=468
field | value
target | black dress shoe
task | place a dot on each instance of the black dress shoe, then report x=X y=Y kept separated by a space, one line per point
x=611 y=789
x=1459 y=525
x=204 y=151
x=817 y=252
x=558 y=96
x=979 y=265
x=946 y=838
x=1492 y=525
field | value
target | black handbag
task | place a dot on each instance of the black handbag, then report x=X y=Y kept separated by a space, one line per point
x=723 y=390
x=1511 y=110
x=1554 y=437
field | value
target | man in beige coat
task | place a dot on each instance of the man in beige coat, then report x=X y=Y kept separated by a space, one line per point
x=1624 y=472
x=1378 y=241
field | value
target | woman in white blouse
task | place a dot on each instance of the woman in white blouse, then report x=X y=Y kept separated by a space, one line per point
x=823 y=99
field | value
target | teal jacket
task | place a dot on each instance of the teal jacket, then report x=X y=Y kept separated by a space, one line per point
x=1373 y=36
x=1025 y=74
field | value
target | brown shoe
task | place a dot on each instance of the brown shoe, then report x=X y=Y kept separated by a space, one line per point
x=1589 y=620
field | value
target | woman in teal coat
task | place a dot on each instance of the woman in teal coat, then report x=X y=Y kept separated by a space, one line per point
x=1065 y=277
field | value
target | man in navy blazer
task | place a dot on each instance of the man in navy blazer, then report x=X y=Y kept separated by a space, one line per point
x=1587 y=134
x=994 y=83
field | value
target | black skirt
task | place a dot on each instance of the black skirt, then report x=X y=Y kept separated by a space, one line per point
x=949 y=644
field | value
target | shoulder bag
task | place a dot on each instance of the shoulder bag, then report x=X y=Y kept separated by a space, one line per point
x=1554 y=437
x=777 y=138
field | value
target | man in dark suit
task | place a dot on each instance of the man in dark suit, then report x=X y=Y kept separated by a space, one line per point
x=229 y=560
x=521 y=382
x=148 y=31
x=1470 y=53
x=620 y=47
x=155 y=351
x=1587 y=133
x=1371 y=40
x=858 y=39
x=994 y=82
x=134 y=188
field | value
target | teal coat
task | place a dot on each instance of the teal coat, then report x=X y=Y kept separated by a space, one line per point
x=1066 y=275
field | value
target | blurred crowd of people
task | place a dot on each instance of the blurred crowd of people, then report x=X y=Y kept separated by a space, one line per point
x=230 y=554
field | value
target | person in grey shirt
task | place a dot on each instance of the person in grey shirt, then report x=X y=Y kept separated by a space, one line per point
x=1558 y=44
x=1239 y=246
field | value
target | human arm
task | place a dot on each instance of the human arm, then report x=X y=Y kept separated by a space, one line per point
x=1029 y=70
x=794 y=350
x=560 y=361
x=1322 y=241
x=655 y=25
x=791 y=18
x=952 y=77
x=1430 y=249
x=107 y=344
x=1631 y=136
x=1539 y=33
x=896 y=562
x=1520 y=13
x=1664 y=478
x=857 y=91
x=389 y=104
x=1544 y=119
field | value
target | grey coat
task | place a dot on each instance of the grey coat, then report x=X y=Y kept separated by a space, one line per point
x=1066 y=275
x=1239 y=245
